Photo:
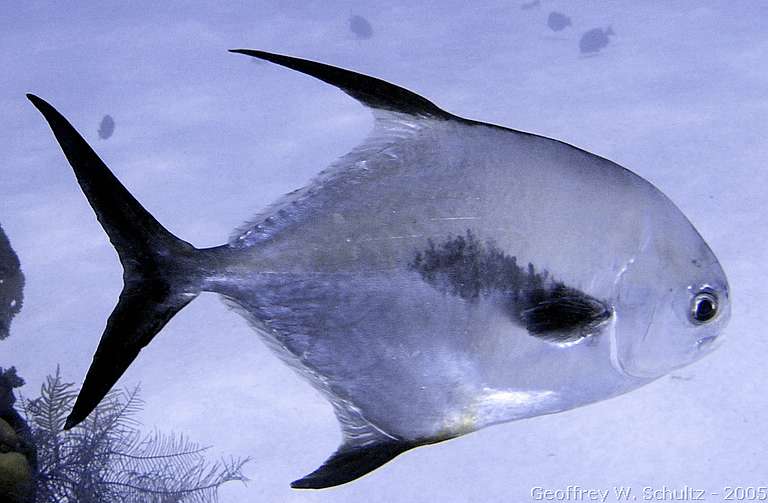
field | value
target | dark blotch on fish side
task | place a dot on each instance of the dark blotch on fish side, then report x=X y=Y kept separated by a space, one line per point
x=594 y=40
x=107 y=127
x=558 y=21
x=554 y=314
x=360 y=27
x=465 y=267
x=11 y=285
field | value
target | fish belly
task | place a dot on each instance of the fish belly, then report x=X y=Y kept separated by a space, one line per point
x=415 y=362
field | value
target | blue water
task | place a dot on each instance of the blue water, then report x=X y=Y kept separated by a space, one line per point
x=205 y=138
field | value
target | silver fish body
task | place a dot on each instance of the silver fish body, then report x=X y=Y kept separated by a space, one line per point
x=335 y=291
x=443 y=276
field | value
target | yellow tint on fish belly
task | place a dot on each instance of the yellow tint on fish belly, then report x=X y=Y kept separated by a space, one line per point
x=494 y=406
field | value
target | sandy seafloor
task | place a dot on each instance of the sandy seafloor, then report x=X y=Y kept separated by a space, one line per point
x=204 y=139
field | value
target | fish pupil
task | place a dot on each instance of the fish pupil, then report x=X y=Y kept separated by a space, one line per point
x=705 y=309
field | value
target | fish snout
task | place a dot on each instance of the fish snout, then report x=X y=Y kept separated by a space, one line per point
x=706 y=343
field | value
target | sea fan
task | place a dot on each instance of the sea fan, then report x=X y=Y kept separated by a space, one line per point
x=107 y=458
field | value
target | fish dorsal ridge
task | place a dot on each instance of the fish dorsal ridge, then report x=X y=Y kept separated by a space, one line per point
x=399 y=115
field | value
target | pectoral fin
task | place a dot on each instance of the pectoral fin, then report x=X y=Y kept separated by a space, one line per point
x=563 y=314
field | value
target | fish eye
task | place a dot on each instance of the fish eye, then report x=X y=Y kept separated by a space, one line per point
x=704 y=307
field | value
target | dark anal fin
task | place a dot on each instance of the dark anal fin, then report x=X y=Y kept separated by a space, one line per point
x=161 y=273
x=350 y=463
x=370 y=91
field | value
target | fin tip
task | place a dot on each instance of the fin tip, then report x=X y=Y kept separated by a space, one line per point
x=249 y=52
x=36 y=100
x=70 y=422
x=302 y=484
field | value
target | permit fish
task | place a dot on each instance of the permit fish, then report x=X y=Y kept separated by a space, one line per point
x=11 y=285
x=443 y=276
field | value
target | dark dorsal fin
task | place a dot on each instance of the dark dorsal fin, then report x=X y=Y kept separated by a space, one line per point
x=350 y=463
x=370 y=91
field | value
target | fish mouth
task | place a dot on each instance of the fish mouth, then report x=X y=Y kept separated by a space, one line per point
x=706 y=343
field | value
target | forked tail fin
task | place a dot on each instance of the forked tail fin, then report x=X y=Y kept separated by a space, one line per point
x=161 y=273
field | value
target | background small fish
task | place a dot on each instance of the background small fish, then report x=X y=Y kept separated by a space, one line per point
x=558 y=21
x=360 y=27
x=595 y=40
x=106 y=127
x=533 y=4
